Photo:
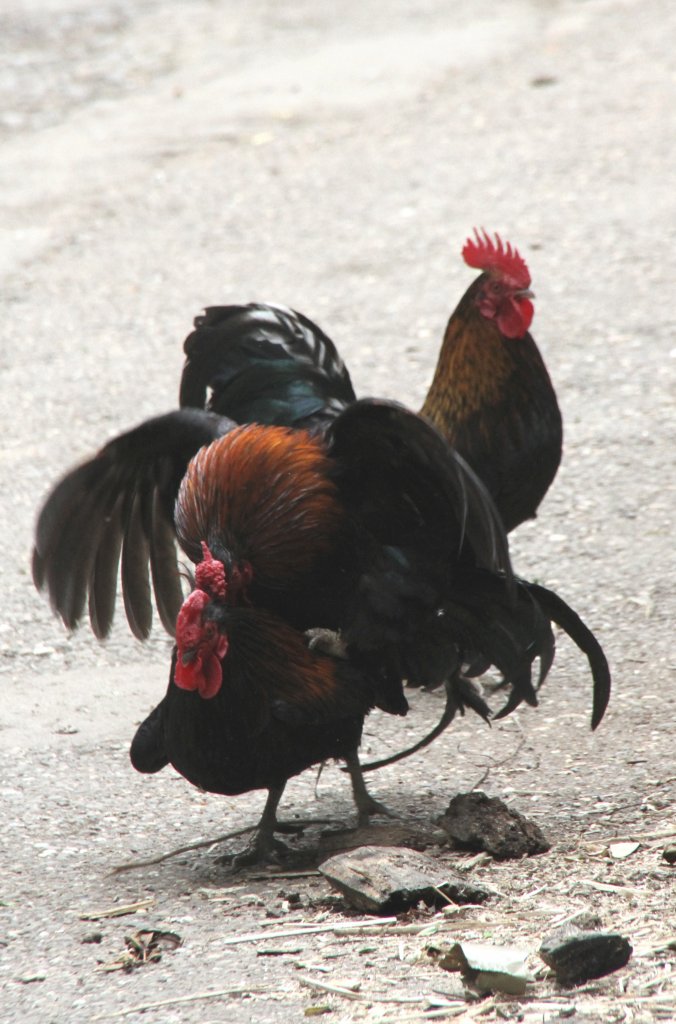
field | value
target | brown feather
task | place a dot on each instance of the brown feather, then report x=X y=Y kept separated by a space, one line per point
x=492 y=399
x=266 y=493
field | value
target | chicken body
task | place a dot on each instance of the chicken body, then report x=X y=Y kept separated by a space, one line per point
x=279 y=708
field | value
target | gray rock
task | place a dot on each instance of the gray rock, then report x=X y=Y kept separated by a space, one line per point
x=386 y=880
x=576 y=955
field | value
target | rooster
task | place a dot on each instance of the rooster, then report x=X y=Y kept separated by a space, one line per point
x=413 y=591
x=369 y=524
x=372 y=526
x=491 y=396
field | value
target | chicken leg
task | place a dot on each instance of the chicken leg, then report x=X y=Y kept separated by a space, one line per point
x=366 y=804
x=263 y=846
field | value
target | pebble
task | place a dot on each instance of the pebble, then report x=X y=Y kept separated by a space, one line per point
x=576 y=956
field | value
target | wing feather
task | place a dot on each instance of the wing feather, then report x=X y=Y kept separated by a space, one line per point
x=117 y=508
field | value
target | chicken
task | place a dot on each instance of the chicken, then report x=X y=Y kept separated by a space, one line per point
x=267 y=704
x=249 y=705
x=368 y=524
x=491 y=396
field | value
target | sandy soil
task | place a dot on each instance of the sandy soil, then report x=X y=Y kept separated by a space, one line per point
x=160 y=157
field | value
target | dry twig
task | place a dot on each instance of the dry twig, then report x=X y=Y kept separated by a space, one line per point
x=500 y=764
x=202 y=843
x=177 y=1000
x=118 y=910
x=368 y=997
x=619 y=890
x=312 y=929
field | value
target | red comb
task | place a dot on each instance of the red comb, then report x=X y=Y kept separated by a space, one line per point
x=210 y=574
x=486 y=254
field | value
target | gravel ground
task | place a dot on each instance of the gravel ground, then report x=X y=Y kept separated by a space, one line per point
x=159 y=157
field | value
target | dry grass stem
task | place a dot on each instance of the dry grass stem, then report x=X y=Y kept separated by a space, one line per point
x=313 y=929
x=132 y=865
x=632 y=837
x=367 y=997
x=118 y=910
x=620 y=890
x=177 y=1000
x=302 y=823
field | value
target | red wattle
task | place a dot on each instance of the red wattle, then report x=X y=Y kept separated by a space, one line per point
x=185 y=676
x=211 y=678
x=514 y=317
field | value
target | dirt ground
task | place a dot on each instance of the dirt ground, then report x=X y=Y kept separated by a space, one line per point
x=160 y=157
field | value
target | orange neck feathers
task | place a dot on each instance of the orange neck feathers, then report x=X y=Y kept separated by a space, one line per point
x=263 y=494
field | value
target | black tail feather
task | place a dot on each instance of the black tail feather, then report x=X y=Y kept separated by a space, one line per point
x=460 y=694
x=264 y=363
x=571 y=623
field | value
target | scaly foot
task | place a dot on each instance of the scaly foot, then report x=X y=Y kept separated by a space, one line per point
x=366 y=804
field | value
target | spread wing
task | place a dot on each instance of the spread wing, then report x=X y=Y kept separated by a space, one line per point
x=114 y=513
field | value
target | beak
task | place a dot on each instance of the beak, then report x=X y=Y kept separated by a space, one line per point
x=525 y=293
x=188 y=656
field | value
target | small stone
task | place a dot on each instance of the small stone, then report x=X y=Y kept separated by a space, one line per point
x=388 y=880
x=582 y=921
x=669 y=854
x=619 y=851
x=43 y=650
x=92 y=937
x=576 y=956
x=475 y=821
